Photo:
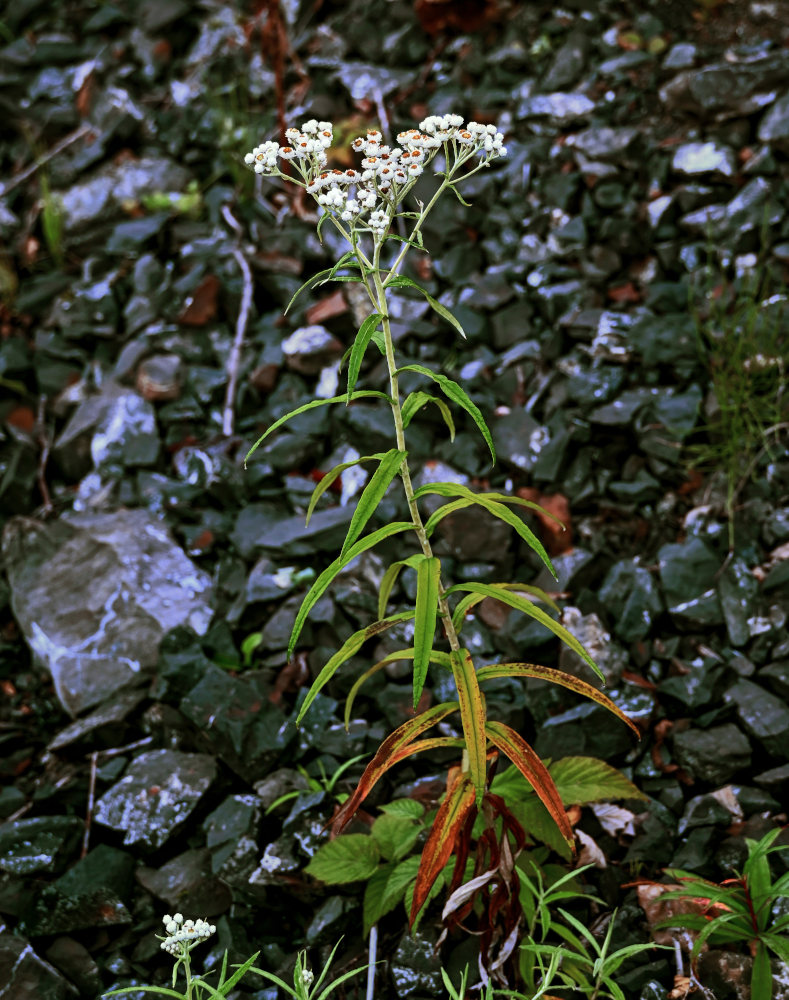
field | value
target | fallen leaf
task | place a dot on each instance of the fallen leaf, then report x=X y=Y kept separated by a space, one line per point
x=327 y=308
x=201 y=307
x=23 y=418
x=614 y=819
x=590 y=853
x=624 y=293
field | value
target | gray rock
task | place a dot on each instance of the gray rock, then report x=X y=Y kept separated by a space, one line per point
x=693 y=158
x=777 y=676
x=774 y=127
x=568 y=63
x=589 y=631
x=95 y=593
x=737 y=590
x=102 y=196
x=687 y=569
x=713 y=755
x=605 y=143
x=38 y=844
x=415 y=968
x=764 y=716
x=310 y=348
x=115 y=427
x=680 y=56
x=25 y=976
x=158 y=792
x=725 y=89
x=560 y=108
x=630 y=594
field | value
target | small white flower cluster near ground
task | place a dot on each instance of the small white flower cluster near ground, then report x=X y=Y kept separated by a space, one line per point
x=307 y=977
x=182 y=931
x=369 y=197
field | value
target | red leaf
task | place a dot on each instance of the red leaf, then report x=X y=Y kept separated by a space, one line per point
x=624 y=293
x=327 y=308
x=201 y=306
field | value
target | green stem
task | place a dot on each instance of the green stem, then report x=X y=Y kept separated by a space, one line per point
x=397 y=413
x=188 y=974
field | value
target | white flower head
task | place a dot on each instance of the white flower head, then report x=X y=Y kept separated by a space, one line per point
x=183 y=934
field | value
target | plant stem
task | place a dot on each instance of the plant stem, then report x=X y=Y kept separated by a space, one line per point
x=188 y=974
x=405 y=475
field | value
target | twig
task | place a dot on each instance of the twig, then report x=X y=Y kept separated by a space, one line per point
x=91 y=799
x=45 y=442
x=117 y=751
x=19 y=813
x=234 y=361
x=83 y=130
x=373 y=949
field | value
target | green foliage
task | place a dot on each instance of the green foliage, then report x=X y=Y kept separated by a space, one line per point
x=52 y=220
x=740 y=910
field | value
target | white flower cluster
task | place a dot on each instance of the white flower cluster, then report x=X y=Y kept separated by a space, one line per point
x=180 y=931
x=307 y=977
x=387 y=173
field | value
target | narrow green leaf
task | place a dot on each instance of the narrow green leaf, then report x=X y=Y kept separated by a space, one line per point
x=428 y=574
x=529 y=608
x=401 y=654
x=414 y=401
x=390 y=578
x=457 y=395
x=311 y=406
x=345 y=652
x=314 y=280
x=458 y=490
x=472 y=715
x=325 y=482
x=366 y=330
x=322 y=582
x=400 y=281
x=373 y=493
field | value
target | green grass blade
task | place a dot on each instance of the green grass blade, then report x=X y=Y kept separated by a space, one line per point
x=311 y=406
x=322 y=582
x=428 y=574
x=373 y=493
x=457 y=395
x=366 y=330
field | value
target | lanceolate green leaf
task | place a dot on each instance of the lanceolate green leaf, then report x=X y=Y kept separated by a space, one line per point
x=529 y=608
x=311 y=406
x=472 y=715
x=457 y=395
x=366 y=330
x=390 y=578
x=325 y=482
x=373 y=493
x=459 y=490
x=533 y=770
x=320 y=585
x=471 y=600
x=414 y=401
x=428 y=574
x=400 y=281
x=401 y=654
x=555 y=677
x=347 y=650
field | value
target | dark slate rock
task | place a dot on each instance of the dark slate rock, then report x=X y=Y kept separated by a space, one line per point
x=104 y=867
x=687 y=569
x=776 y=676
x=764 y=716
x=158 y=792
x=605 y=143
x=53 y=912
x=726 y=89
x=713 y=755
x=774 y=127
x=561 y=108
x=416 y=969
x=737 y=590
x=95 y=593
x=630 y=595
x=39 y=844
x=568 y=63
x=112 y=713
x=25 y=976
x=589 y=631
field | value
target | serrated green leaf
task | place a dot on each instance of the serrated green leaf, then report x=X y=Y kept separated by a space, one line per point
x=409 y=808
x=386 y=889
x=536 y=821
x=457 y=395
x=362 y=394
x=394 y=835
x=345 y=652
x=325 y=482
x=373 y=493
x=400 y=281
x=366 y=330
x=428 y=576
x=531 y=609
x=323 y=581
x=348 y=858
x=582 y=780
x=414 y=401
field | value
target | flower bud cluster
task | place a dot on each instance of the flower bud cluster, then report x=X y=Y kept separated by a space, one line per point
x=386 y=174
x=180 y=931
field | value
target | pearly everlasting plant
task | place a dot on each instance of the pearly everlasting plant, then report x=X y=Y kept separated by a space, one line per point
x=362 y=204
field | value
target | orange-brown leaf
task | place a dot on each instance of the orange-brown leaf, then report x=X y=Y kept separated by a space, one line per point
x=449 y=820
x=472 y=716
x=533 y=770
x=555 y=677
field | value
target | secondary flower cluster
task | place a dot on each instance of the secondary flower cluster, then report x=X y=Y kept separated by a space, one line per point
x=182 y=931
x=387 y=173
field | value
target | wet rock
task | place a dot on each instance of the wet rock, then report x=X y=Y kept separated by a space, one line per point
x=560 y=108
x=39 y=844
x=74 y=961
x=737 y=590
x=116 y=427
x=176 y=878
x=54 y=912
x=725 y=89
x=697 y=685
x=605 y=143
x=159 y=377
x=105 y=868
x=568 y=63
x=713 y=755
x=518 y=438
x=95 y=593
x=774 y=127
x=589 y=631
x=102 y=196
x=111 y=714
x=763 y=716
x=158 y=792
x=329 y=922
x=703 y=811
x=632 y=598
x=231 y=836
x=310 y=348
x=776 y=676
x=687 y=572
x=727 y=973
x=693 y=158
x=291 y=536
x=416 y=968
x=25 y=976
